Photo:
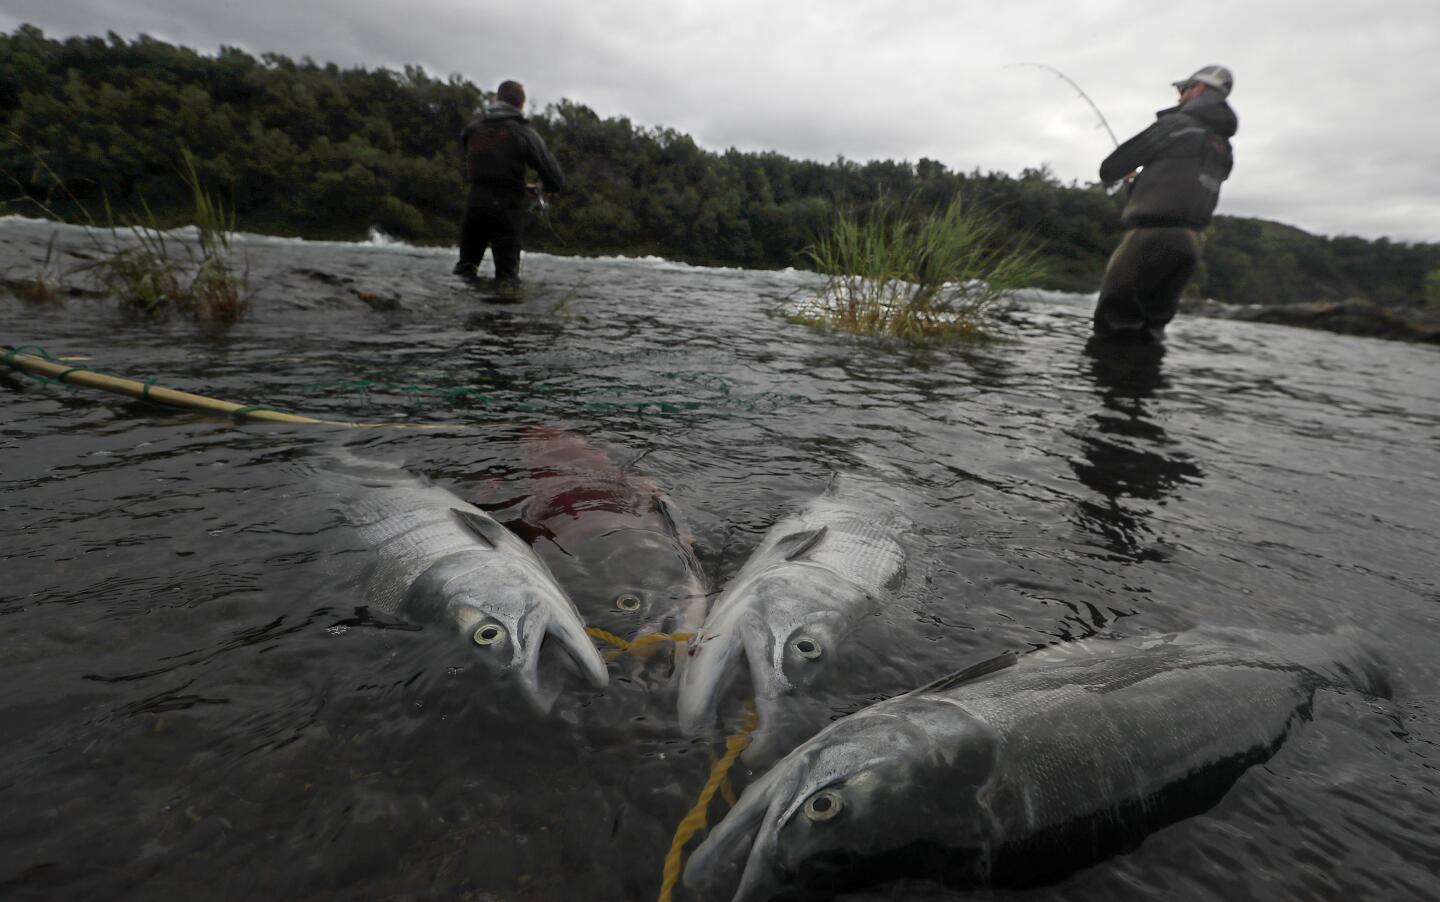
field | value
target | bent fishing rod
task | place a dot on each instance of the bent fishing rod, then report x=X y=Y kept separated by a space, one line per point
x=1109 y=189
x=1079 y=90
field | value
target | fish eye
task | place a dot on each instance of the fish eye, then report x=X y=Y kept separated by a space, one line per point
x=489 y=634
x=806 y=648
x=628 y=603
x=823 y=805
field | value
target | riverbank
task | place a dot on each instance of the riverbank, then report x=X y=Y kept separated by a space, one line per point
x=383 y=154
x=1349 y=317
x=44 y=273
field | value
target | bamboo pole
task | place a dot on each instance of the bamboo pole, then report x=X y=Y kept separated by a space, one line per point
x=148 y=391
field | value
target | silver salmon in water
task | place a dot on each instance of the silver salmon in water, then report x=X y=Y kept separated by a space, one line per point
x=787 y=615
x=439 y=559
x=1019 y=770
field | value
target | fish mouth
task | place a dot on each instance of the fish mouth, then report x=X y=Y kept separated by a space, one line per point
x=540 y=666
x=538 y=650
x=655 y=655
x=717 y=673
x=715 y=691
x=740 y=851
x=665 y=662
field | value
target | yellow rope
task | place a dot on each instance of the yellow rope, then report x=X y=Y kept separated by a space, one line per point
x=637 y=646
x=727 y=790
x=149 y=391
x=694 y=822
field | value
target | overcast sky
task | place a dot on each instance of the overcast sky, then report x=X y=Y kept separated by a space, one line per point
x=1338 y=128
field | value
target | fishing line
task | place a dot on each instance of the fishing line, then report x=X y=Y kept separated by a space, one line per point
x=1079 y=90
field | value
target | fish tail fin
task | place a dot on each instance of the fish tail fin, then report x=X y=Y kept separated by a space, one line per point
x=1364 y=660
x=1350 y=656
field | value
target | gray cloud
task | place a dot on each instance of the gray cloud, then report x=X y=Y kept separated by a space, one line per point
x=1335 y=135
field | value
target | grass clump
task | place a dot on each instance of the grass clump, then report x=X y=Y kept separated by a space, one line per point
x=152 y=272
x=912 y=276
x=47 y=285
x=145 y=266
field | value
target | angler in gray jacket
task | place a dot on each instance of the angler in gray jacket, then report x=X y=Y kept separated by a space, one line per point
x=498 y=145
x=1183 y=157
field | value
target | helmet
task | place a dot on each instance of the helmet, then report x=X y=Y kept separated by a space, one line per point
x=1217 y=77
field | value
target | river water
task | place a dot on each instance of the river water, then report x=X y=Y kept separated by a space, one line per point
x=196 y=704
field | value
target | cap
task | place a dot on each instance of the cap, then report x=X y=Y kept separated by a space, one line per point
x=1217 y=77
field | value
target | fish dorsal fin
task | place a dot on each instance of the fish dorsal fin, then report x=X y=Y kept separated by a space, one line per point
x=974 y=672
x=662 y=507
x=485 y=529
x=802 y=542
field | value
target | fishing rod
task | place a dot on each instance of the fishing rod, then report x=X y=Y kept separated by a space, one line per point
x=540 y=204
x=1079 y=90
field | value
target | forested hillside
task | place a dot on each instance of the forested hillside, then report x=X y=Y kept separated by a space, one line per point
x=301 y=148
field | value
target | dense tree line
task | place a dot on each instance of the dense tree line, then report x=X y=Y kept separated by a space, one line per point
x=315 y=150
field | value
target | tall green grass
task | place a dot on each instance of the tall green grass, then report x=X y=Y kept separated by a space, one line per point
x=914 y=276
x=151 y=271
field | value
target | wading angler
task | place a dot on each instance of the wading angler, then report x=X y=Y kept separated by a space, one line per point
x=1174 y=169
x=498 y=146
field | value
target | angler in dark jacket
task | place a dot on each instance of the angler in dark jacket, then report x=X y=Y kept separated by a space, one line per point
x=498 y=146
x=1185 y=156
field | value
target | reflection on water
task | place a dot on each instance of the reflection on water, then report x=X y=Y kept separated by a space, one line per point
x=1126 y=454
x=194 y=688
